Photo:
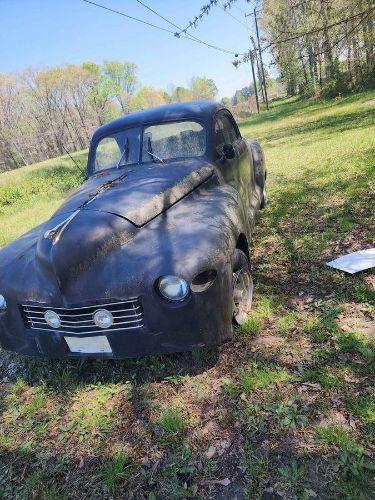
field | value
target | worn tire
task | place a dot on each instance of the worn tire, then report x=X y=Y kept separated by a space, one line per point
x=264 y=201
x=240 y=263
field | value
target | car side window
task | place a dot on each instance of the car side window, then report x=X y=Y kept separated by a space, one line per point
x=224 y=130
x=108 y=153
x=219 y=134
x=230 y=133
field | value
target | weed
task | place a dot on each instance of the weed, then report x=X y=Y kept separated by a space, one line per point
x=316 y=328
x=289 y=414
x=292 y=473
x=355 y=343
x=363 y=406
x=266 y=307
x=116 y=469
x=286 y=324
x=252 y=326
x=253 y=419
x=172 y=423
x=337 y=436
x=329 y=377
x=256 y=466
x=261 y=377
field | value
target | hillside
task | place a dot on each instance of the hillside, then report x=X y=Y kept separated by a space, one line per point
x=285 y=410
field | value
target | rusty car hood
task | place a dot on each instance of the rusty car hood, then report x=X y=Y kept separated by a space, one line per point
x=140 y=193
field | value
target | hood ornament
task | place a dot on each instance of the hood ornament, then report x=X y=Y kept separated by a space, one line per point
x=55 y=233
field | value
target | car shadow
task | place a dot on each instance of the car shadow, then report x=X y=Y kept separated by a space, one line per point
x=65 y=375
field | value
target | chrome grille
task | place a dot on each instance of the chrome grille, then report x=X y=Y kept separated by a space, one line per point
x=127 y=315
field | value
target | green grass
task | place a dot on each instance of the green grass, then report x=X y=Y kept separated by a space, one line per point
x=29 y=195
x=261 y=377
x=336 y=436
x=173 y=424
x=142 y=428
x=116 y=470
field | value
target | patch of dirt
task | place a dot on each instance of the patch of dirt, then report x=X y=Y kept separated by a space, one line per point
x=356 y=318
x=335 y=418
x=268 y=341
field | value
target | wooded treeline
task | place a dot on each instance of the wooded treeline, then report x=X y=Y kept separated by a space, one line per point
x=321 y=47
x=45 y=113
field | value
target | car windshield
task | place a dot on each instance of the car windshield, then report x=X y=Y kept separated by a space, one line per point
x=183 y=139
x=118 y=149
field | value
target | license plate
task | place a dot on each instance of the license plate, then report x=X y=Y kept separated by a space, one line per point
x=89 y=345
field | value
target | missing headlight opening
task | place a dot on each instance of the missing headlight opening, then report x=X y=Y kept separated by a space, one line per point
x=204 y=280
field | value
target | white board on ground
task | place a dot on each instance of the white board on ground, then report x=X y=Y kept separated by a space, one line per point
x=355 y=262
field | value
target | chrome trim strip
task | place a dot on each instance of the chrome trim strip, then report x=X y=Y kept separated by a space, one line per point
x=32 y=318
x=74 y=315
x=95 y=306
x=103 y=332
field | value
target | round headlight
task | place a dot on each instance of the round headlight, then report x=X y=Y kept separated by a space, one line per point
x=173 y=288
x=52 y=319
x=3 y=303
x=103 y=318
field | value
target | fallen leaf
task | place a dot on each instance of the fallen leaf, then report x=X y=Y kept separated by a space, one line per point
x=313 y=385
x=211 y=452
x=311 y=493
x=223 y=482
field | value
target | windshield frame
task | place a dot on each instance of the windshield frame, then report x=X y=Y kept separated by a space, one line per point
x=140 y=162
x=93 y=150
x=169 y=122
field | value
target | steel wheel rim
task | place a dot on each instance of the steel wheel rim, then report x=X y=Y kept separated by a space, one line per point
x=242 y=296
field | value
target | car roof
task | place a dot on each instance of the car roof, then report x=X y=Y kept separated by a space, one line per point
x=169 y=112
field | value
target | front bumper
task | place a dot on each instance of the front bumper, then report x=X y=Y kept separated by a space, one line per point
x=204 y=318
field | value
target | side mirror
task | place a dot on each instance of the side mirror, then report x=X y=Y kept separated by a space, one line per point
x=229 y=152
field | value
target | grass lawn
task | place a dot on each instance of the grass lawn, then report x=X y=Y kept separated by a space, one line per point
x=284 y=410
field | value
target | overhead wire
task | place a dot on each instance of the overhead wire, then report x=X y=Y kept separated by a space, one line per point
x=187 y=35
x=177 y=35
x=232 y=16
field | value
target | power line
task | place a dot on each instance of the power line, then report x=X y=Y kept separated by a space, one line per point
x=178 y=35
x=188 y=35
x=128 y=16
x=157 y=14
x=232 y=16
x=239 y=9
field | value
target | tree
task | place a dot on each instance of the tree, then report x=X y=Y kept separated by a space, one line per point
x=203 y=89
x=181 y=94
x=123 y=77
x=242 y=95
x=148 y=97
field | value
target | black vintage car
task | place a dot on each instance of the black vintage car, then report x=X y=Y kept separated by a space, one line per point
x=151 y=253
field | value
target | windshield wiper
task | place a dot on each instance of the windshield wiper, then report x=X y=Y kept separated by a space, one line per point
x=149 y=151
x=124 y=153
x=155 y=156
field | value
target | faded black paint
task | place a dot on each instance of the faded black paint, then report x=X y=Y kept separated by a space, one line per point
x=134 y=224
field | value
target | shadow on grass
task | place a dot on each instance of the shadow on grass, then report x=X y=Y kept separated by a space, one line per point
x=63 y=375
x=329 y=125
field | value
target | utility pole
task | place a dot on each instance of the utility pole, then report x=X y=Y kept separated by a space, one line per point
x=252 y=68
x=254 y=80
x=258 y=70
x=261 y=59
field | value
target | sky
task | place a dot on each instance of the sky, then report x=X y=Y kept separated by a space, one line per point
x=47 y=33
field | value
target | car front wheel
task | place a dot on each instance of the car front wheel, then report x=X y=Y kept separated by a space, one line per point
x=242 y=288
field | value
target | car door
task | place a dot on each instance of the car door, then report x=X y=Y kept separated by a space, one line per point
x=238 y=171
